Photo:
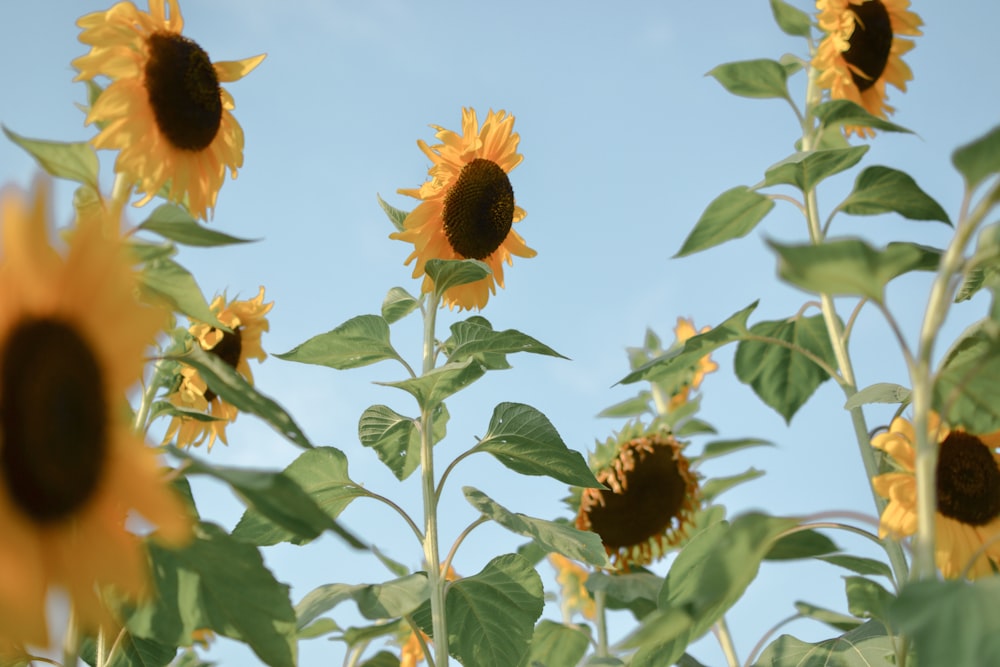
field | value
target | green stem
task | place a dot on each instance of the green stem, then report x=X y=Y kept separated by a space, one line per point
x=102 y=647
x=721 y=632
x=602 y=623
x=146 y=401
x=71 y=642
x=399 y=510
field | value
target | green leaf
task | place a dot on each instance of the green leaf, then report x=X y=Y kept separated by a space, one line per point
x=884 y=190
x=168 y=281
x=388 y=600
x=220 y=583
x=131 y=652
x=558 y=645
x=230 y=385
x=977 y=159
x=966 y=392
x=438 y=384
x=801 y=544
x=75 y=161
x=398 y=304
x=635 y=591
x=584 y=546
x=785 y=379
x=718 y=448
x=865 y=646
x=146 y=252
x=805 y=170
x=838 y=113
x=365 y=635
x=321 y=473
x=868 y=599
x=716 y=486
x=359 y=341
x=731 y=215
x=396 y=216
x=630 y=407
x=792 y=20
x=953 y=623
x=524 y=440
x=474 y=339
x=448 y=273
x=381 y=659
x=491 y=615
x=834 y=619
x=318 y=628
x=760 y=78
x=863 y=566
x=660 y=638
x=680 y=360
x=176 y=224
x=396 y=439
x=850 y=266
x=880 y=392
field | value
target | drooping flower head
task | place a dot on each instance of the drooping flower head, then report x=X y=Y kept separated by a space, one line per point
x=968 y=494
x=863 y=51
x=650 y=502
x=467 y=207
x=247 y=321
x=164 y=110
x=72 y=341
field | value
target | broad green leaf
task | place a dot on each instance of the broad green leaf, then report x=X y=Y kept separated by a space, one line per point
x=472 y=338
x=792 y=20
x=661 y=638
x=176 y=224
x=865 y=646
x=388 y=600
x=977 y=159
x=448 y=273
x=760 y=78
x=558 y=645
x=966 y=392
x=381 y=659
x=884 y=190
x=806 y=170
x=680 y=360
x=581 y=545
x=880 y=392
x=491 y=615
x=146 y=252
x=868 y=599
x=953 y=623
x=863 y=566
x=837 y=113
x=636 y=591
x=359 y=341
x=693 y=426
x=395 y=438
x=130 y=652
x=322 y=474
x=850 y=266
x=716 y=486
x=718 y=448
x=75 y=161
x=524 y=440
x=785 y=379
x=165 y=280
x=438 y=384
x=318 y=628
x=801 y=544
x=365 y=635
x=731 y=215
x=219 y=583
x=396 y=216
x=834 y=619
x=630 y=407
x=230 y=385
x=398 y=304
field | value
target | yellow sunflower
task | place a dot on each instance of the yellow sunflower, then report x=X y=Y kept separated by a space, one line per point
x=863 y=51
x=248 y=322
x=164 y=110
x=968 y=494
x=572 y=580
x=467 y=209
x=650 y=502
x=72 y=342
x=683 y=331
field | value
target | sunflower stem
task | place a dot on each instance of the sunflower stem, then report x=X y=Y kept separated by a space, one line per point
x=146 y=400
x=600 y=600
x=71 y=642
x=721 y=632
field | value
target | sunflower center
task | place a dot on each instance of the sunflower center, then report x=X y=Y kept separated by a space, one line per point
x=968 y=480
x=479 y=209
x=229 y=350
x=53 y=419
x=183 y=91
x=870 y=43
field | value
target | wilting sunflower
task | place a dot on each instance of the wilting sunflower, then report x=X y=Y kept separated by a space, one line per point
x=72 y=342
x=651 y=500
x=863 y=51
x=164 y=109
x=683 y=331
x=968 y=494
x=468 y=208
x=247 y=321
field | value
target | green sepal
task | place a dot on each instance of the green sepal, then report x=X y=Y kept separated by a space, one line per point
x=838 y=113
x=805 y=170
x=396 y=216
x=792 y=20
x=885 y=190
x=977 y=159
x=174 y=223
x=72 y=160
x=716 y=486
x=358 y=342
x=733 y=214
x=759 y=78
x=396 y=438
x=718 y=448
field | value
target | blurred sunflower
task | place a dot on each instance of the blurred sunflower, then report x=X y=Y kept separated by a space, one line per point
x=968 y=494
x=863 y=51
x=164 y=110
x=652 y=498
x=247 y=320
x=572 y=580
x=682 y=332
x=468 y=208
x=70 y=466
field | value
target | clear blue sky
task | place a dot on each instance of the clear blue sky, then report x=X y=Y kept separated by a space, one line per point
x=624 y=142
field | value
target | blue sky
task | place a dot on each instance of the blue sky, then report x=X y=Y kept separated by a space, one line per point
x=625 y=142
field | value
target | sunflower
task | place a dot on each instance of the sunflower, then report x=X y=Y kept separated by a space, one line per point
x=968 y=494
x=72 y=342
x=650 y=502
x=468 y=208
x=682 y=332
x=863 y=51
x=247 y=320
x=164 y=110
x=572 y=580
